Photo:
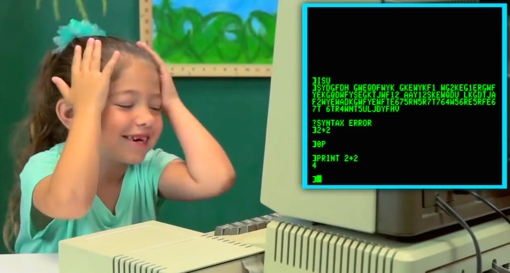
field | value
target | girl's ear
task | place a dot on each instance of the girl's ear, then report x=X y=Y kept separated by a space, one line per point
x=65 y=113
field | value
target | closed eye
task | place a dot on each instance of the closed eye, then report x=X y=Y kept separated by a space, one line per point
x=124 y=106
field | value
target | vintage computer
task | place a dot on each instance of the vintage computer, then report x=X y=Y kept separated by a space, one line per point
x=317 y=231
x=356 y=231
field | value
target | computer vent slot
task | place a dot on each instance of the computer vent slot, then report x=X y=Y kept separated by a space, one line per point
x=319 y=251
x=125 y=264
x=225 y=240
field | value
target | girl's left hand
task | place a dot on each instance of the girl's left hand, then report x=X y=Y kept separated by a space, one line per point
x=168 y=90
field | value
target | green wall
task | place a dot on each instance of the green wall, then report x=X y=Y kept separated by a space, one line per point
x=234 y=110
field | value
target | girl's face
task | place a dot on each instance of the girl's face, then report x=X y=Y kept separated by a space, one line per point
x=131 y=121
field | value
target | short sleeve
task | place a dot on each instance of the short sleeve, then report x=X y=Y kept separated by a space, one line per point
x=154 y=164
x=38 y=167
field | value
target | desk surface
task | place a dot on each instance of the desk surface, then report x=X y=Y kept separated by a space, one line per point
x=29 y=263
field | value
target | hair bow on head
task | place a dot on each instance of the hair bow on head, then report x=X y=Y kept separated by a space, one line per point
x=73 y=30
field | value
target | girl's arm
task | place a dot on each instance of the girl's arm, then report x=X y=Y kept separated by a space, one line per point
x=207 y=172
x=70 y=191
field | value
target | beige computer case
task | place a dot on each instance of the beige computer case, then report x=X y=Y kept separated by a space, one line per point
x=157 y=248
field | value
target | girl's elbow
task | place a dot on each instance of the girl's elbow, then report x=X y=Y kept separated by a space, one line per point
x=61 y=206
x=72 y=209
x=65 y=212
x=228 y=181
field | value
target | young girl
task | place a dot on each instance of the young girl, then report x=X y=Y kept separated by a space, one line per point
x=90 y=163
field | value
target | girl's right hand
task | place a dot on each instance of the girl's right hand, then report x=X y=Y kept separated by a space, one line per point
x=89 y=85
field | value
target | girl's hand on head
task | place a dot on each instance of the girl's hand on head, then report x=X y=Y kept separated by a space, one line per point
x=168 y=90
x=89 y=85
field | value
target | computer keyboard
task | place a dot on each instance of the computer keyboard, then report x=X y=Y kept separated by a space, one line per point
x=245 y=226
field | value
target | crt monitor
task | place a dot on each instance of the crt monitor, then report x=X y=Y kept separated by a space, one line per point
x=400 y=213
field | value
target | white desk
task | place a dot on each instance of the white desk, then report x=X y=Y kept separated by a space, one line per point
x=29 y=263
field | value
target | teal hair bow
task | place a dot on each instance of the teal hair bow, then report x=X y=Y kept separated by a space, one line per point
x=73 y=30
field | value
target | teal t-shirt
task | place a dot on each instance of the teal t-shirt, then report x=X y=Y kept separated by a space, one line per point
x=137 y=202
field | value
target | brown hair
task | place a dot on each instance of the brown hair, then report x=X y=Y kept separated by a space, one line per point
x=42 y=129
